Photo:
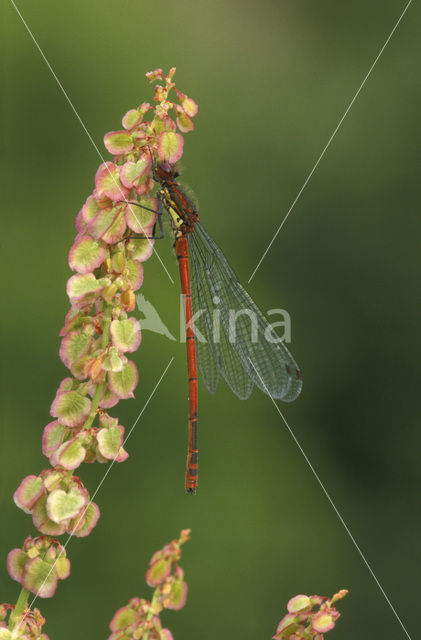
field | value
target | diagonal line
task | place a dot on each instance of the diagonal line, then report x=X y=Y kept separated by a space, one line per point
x=83 y=125
x=100 y=484
x=330 y=140
x=332 y=504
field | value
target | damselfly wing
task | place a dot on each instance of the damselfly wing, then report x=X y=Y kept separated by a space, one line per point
x=245 y=351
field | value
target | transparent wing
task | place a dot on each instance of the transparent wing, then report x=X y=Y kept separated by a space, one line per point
x=233 y=338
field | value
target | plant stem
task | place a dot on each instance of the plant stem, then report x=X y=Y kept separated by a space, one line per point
x=100 y=388
x=151 y=611
x=19 y=608
x=106 y=326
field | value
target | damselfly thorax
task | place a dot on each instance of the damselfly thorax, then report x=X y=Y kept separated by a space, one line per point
x=183 y=213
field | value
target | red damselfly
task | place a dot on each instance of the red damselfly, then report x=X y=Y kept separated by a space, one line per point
x=226 y=348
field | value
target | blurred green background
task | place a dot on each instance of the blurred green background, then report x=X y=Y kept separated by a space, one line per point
x=272 y=79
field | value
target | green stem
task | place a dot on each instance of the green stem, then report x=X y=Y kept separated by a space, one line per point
x=100 y=388
x=106 y=326
x=19 y=608
x=151 y=611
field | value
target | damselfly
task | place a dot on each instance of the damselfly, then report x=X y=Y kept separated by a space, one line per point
x=226 y=333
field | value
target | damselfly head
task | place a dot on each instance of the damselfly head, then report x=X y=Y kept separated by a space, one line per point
x=166 y=171
x=165 y=168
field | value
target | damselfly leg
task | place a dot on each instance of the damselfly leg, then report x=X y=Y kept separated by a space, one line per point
x=160 y=224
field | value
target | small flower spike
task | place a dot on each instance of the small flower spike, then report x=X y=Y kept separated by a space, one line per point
x=309 y=617
x=140 y=618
